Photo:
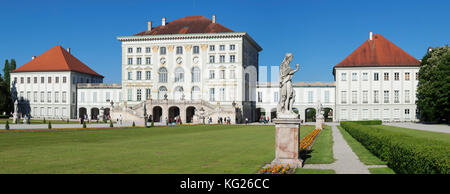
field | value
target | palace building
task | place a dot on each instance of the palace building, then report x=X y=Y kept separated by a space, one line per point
x=194 y=68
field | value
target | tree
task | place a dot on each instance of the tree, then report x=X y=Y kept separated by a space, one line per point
x=5 y=97
x=433 y=92
x=6 y=70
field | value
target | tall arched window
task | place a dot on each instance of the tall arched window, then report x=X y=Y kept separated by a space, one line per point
x=178 y=93
x=161 y=92
x=162 y=75
x=179 y=74
x=195 y=74
x=247 y=89
x=195 y=93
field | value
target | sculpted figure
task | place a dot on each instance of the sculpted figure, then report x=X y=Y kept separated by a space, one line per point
x=287 y=93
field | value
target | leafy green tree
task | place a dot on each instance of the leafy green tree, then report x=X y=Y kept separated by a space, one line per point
x=433 y=92
x=5 y=97
x=6 y=70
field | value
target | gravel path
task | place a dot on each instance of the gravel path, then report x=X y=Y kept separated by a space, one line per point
x=424 y=127
x=346 y=160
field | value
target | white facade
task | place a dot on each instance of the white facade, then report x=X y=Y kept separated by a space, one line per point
x=94 y=99
x=382 y=93
x=49 y=94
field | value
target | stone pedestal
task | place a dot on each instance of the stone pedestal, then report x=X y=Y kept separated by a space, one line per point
x=287 y=139
x=15 y=117
x=320 y=122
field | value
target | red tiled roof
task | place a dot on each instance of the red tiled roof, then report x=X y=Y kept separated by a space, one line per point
x=56 y=59
x=378 y=52
x=187 y=25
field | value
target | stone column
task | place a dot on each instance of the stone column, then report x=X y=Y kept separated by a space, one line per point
x=287 y=140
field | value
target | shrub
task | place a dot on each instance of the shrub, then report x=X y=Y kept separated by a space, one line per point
x=404 y=154
x=67 y=121
x=153 y=123
x=134 y=125
x=84 y=124
x=44 y=121
x=111 y=124
x=369 y=122
x=49 y=125
x=7 y=125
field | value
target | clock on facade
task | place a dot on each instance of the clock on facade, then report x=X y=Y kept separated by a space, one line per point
x=195 y=60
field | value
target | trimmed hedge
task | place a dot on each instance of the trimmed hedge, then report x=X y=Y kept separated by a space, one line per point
x=369 y=122
x=4 y=116
x=404 y=154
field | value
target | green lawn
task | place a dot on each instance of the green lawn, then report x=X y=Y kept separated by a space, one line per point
x=364 y=155
x=34 y=121
x=176 y=149
x=322 y=149
x=314 y=171
x=385 y=170
x=444 y=137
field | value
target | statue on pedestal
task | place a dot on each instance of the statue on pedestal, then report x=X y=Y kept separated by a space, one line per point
x=287 y=93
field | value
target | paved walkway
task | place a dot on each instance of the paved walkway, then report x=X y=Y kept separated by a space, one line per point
x=347 y=162
x=424 y=127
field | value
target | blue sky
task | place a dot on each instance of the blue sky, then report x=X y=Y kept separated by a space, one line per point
x=319 y=33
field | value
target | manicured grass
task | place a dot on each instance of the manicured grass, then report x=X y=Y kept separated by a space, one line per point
x=385 y=170
x=322 y=149
x=305 y=130
x=444 y=137
x=33 y=121
x=364 y=155
x=183 y=149
x=314 y=171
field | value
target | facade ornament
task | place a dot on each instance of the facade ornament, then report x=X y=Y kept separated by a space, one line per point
x=188 y=48
x=204 y=47
x=287 y=93
x=155 y=49
x=170 y=48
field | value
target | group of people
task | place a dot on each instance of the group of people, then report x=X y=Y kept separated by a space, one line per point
x=174 y=120
x=221 y=120
x=264 y=119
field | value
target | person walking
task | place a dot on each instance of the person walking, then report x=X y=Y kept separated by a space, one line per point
x=246 y=120
x=120 y=119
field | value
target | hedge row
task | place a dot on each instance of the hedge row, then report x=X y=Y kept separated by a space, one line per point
x=369 y=122
x=4 y=116
x=404 y=154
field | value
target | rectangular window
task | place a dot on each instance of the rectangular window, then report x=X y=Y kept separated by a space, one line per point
x=147 y=93
x=42 y=97
x=211 y=59
x=129 y=75
x=417 y=76
x=162 y=50
x=386 y=76
x=344 y=114
x=327 y=96
x=130 y=94
x=49 y=80
x=138 y=94
x=130 y=50
x=375 y=77
x=56 y=97
x=222 y=74
x=222 y=94
x=354 y=76
x=196 y=50
x=28 y=96
x=179 y=50
x=64 y=97
x=56 y=79
x=211 y=48
x=232 y=58
x=232 y=74
x=28 y=80
x=42 y=80
x=139 y=61
x=343 y=76
x=396 y=96
x=386 y=96
x=148 y=75
x=222 y=58
x=376 y=114
x=148 y=61
x=82 y=97
x=354 y=97
x=259 y=96
x=138 y=50
x=147 y=50
x=64 y=79
x=275 y=97
x=343 y=97
x=35 y=97
x=365 y=76
x=365 y=115
x=211 y=74
x=211 y=95
x=407 y=76
x=222 y=47
x=130 y=61
x=406 y=96
x=232 y=47
x=365 y=96
x=396 y=76
x=310 y=97
x=107 y=97
x=35 y=80
x=138 y=75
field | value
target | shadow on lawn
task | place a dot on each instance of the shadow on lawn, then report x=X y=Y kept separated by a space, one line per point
x=304 y=154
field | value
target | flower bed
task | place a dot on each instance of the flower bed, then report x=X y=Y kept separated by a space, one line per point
x=276 y=169
x=307 y=141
